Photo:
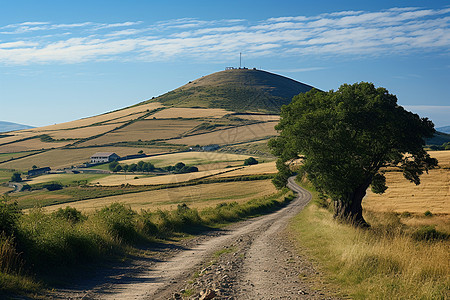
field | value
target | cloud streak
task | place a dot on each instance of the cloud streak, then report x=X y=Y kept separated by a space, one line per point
x=396 y=31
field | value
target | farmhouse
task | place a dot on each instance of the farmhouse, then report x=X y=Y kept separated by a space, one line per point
x=103 y=157
x=38 y=171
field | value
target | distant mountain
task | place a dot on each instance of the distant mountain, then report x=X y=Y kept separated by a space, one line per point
x=444 y=129
x=9 y=126
x=240 y=90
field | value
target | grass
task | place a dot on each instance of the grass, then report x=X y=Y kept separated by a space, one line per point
x=383 y=262
x=196 y=196
x=223 y=251
x=50 y=244
x=66 y=179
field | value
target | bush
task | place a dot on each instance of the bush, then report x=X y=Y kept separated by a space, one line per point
x=70 y=214
x=428 y=213
x=9 y=215
x=429 y=233
x=120 y=221
x=53 y=186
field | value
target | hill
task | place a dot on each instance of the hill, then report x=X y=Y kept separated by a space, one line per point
x=444 y=129
x=240 y=90
x=9 y=126
x=236 y=109
x=438 y=139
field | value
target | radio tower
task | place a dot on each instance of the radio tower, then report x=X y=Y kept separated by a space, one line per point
x=240 y=59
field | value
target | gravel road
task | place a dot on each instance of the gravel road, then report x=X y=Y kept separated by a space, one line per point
x=253 y=259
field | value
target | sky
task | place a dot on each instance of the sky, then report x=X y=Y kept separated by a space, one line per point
x=65 y=60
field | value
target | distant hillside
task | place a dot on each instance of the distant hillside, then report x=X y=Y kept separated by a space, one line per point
x=445 y=129
x=9 y=126
x=438 y=139
x=240 y=90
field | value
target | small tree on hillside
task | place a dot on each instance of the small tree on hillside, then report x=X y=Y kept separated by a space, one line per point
x=250 y=161
x=16 y=177
x=346 y=138
x=112 y=165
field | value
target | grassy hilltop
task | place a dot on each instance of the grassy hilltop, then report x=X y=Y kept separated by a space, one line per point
x=239 y=90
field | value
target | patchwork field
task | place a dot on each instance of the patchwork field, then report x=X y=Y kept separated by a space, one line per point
x=230 y=136
x=180 y=112
x=65 y=179
x=256 y=117
x=433 y=194
x=32 y=144
x=259 y=169
x=8 y=156
x=81 y=133
x=189 y=158
x=60 y=158
x=101 y=118
x=146 y=130
x=119 y=179
x=197 y=196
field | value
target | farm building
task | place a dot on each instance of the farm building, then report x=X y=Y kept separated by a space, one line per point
x=103 y=157
x=38 y=171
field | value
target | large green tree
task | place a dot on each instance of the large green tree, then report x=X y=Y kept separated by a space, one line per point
x=347 y=138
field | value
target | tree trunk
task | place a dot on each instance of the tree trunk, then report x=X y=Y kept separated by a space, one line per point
x=349 y=209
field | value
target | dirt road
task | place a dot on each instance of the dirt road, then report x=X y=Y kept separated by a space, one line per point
x=253 y=259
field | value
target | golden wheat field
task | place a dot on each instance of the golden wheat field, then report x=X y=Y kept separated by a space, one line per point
x=231 y=135
x=101 y=118
x=124 y=119
x=197 y=196
x=32 y=144
x=134 y=179
x=256 y=117
x=180 y=112
x=146 y=130
x=189 y=158
x=259 y=169
x=81 y=133
x=432 y=194
x=16 y=135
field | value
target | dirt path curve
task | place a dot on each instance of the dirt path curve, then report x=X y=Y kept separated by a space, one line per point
x=252 y=259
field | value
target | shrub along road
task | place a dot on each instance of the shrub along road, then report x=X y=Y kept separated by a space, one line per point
x=253 y=259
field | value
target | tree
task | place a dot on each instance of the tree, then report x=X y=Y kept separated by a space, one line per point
x=346 y=139
x=16 y=177
x=112 y=165
x=117 y=168
x=179 y=166
x=250 y=161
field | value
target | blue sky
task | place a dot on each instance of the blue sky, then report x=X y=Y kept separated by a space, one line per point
x=64 y=60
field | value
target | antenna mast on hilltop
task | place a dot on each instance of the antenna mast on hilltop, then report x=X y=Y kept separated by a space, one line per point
x=240 y=59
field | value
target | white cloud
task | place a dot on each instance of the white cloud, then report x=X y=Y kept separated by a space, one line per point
x=397 y=31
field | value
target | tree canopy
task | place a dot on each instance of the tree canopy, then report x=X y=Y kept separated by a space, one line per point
x=346 y=139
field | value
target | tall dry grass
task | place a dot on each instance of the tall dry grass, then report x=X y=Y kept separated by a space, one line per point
x=383 y=262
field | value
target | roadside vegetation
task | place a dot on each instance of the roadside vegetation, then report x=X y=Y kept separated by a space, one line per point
x=389 y=260
x=44 y=245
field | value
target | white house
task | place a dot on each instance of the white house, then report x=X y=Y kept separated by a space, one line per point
x=104 y=157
